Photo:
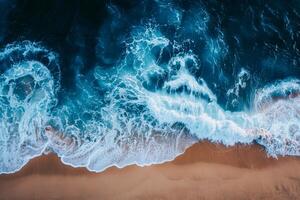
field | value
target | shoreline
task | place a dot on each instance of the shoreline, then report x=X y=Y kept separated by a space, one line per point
x=204 y=171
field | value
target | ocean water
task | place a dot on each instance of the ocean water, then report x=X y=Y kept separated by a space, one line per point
x=114 y=83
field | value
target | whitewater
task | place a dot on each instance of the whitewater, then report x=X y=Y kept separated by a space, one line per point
x=148 y=107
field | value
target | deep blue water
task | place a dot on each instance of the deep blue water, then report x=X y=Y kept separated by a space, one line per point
x=118 y=82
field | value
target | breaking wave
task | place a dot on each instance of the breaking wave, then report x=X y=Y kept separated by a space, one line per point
x=27 y=93
x=155 y=101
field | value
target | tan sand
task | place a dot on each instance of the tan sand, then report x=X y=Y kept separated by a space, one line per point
x=205 y=171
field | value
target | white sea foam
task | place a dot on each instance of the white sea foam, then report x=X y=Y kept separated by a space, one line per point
x=277 y=108
x=27 y=91
x=119 y=117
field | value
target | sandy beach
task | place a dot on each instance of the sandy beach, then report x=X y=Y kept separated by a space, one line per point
x=204 y=171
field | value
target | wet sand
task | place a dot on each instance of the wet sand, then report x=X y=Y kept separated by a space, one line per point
x=204 y=171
